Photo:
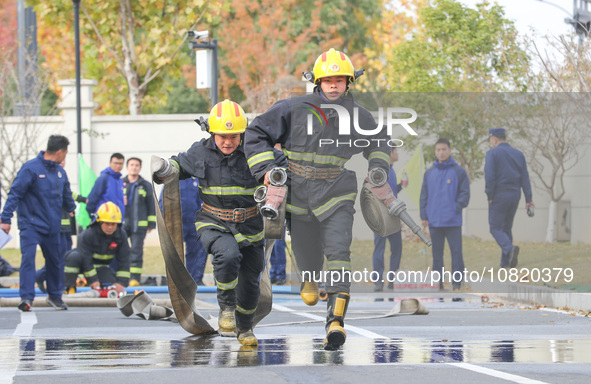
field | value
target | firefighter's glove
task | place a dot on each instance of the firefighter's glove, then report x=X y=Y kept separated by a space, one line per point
x=164 y=170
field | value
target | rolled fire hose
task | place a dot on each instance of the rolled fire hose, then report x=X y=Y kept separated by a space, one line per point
x=376 y=213
x=143 y=306
x=378 y=205
x=181 y=286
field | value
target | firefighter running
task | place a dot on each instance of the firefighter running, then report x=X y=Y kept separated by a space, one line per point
x=322 y=192
x=229 y=224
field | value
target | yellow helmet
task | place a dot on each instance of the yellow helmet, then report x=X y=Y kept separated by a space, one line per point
x=333 y=63
x=226 y=118
x=108 y=212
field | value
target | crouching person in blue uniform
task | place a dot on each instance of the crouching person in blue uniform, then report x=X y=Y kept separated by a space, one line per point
x=103 y=241
x=229 y=224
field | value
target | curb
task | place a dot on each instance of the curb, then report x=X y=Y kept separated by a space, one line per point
x=537 y=295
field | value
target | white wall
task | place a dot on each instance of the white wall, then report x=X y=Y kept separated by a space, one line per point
x=165 y=135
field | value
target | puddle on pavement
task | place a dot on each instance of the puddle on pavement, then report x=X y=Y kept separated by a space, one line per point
x=85 y=354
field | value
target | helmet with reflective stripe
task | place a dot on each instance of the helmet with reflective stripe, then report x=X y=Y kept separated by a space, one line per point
x=108 y=212
x=333 y=63
x=226 y=118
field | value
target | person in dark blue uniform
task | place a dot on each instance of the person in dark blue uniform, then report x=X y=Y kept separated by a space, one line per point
x=278 y=263
x=445 y=192
x=505 y=174
x=195 y=254
x=140 y=216
x=395 y=239
x=68 y=227
x=39 y=193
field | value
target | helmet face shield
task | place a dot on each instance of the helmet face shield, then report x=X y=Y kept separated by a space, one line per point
x=226 y=118
x=109 y=212
x=333 y=63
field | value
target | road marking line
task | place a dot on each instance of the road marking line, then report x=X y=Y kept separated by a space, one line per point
x=561 y=311
x=498 y=374
x=25 y=327
x=373 y=335
x=359 y=331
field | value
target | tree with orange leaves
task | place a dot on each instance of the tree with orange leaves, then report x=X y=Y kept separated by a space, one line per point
x=265 y=45
x=129 y=44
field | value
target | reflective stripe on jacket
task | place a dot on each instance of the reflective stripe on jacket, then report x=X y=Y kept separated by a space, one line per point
x=140 y=213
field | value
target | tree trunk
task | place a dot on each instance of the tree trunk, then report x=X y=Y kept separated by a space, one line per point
x=135 y=102
x=551 y=229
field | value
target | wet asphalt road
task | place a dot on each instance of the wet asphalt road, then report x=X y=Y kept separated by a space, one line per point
x=461 y=340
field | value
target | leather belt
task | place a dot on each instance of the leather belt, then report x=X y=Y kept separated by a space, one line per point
x=312 y=173
x=236 y=215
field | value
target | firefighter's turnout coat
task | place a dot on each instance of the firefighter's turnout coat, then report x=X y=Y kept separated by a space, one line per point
x=287 y=122
x=95 y=251
x=225 y=182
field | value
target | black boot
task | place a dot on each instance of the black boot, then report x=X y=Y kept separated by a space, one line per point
x=337 y=308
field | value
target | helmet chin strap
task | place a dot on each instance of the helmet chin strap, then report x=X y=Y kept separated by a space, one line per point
x=324 y=98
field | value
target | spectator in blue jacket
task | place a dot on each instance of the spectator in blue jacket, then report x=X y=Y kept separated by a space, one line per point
x=39 y=193
x=108 y=186
x=395 y=238
x=505 y=175
x=445 y=192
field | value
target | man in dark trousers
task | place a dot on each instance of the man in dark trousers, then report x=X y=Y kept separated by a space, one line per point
x=195 y=254
x=445 y=192
x=505 y=175
x=140 y=215
x=395 y=239
x=39 y=193
x=108 y=186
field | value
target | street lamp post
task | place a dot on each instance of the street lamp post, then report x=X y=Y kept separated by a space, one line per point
x=78 y=102
x=213 y=45
x=580 y=19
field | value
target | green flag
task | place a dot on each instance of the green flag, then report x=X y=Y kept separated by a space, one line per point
x=87 y=179
x=413 y=170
